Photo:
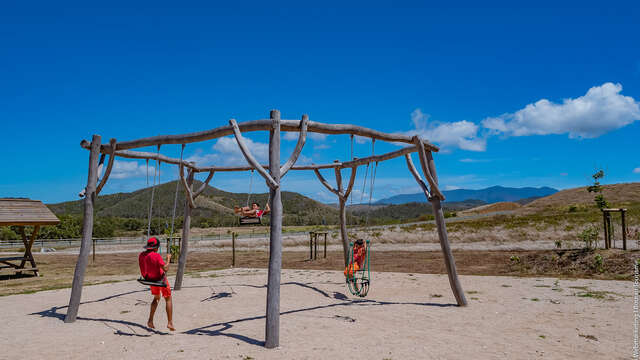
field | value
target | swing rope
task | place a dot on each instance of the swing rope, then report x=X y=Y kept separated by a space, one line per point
x=250 y=188
x=175 y=197
x=153 y=189
x=358 y=280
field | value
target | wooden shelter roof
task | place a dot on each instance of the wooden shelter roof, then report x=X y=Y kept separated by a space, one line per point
x=25 y=212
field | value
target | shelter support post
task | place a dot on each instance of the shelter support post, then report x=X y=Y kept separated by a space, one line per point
x=28 y=245
x=184 y=244
x=87 y=232
x=272 y=326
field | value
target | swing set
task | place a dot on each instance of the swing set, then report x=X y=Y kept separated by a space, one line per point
x=156 y=173
x=272 y=173
x=251 y=220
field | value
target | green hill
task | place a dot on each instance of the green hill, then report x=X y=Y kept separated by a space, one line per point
x=215 y=207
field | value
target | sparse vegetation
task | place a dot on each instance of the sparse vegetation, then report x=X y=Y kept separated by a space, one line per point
x=589 y=236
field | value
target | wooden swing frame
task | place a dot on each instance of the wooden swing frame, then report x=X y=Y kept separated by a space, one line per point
x=272 y=173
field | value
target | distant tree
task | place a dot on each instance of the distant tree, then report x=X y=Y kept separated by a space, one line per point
x=597 y=189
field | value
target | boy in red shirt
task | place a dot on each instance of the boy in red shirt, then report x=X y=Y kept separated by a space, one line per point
x=153 y=268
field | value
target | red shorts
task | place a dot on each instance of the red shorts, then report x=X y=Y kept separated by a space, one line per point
x=166 y=291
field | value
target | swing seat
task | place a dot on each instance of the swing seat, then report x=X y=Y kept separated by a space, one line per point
x=249 y=220
x=358 y=279
x=159 y=283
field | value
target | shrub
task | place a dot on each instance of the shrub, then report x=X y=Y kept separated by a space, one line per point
x=558 y=244
x=589 y=236
x=598 y=263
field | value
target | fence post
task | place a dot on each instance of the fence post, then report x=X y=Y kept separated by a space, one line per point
x=606 y=238
x=624 y=230
x=325 y=245
x=233 y=249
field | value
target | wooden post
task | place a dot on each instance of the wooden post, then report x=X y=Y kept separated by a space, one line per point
x=612 y=237
x=342 y=199
x=624 y=230
x=325 y=245
x=315 y=244
x=184 y=243
x=94 y=251
x=343 y=230
x=428 y=167
x=272 y=326
x=87 y=231
x=310 y=245
x=28 y=244
x=233 y=249
x=606 y=237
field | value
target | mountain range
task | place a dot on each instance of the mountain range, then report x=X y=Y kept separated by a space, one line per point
x=488 y=195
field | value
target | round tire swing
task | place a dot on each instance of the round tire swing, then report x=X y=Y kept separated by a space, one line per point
x=358 y=273
x=359 y=278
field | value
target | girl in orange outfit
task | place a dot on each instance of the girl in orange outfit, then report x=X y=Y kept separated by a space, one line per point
x=359 y=254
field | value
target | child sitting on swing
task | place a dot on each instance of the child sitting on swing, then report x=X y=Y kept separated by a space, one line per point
x=357 y=262
x=253 y=211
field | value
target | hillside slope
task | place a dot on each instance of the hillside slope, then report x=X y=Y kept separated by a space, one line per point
x=616 y=195
x=213 y=203
x=489 y=195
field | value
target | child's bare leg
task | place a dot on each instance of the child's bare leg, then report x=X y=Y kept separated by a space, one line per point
x=152 y=312
x=169 y=313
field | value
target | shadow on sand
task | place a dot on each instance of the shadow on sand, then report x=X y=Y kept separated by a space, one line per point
x=221 y=328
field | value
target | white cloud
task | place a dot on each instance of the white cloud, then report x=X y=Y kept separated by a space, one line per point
x=293 y=136
x=227 y=153
x=600 y=110
x=461 y=134
x=290 y=135
x=361 y=139
x=130 y=169
x=636 y=170
x=452 y=187
x=321 y=147
x=467 y=160
x=317 y=136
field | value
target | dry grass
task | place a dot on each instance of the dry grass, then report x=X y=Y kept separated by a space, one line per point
x=57 y=270
x=490 y=208
x=616 y=195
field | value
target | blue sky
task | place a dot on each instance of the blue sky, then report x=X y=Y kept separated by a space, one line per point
x=515 y=96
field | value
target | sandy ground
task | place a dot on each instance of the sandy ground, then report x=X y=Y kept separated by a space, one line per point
x=220 y=315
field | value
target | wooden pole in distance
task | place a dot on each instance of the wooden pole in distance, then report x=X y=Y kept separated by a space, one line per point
x=310 y=245
x=272 y=326
x=184 y=242
x=325 y=245
x=94 y=251
x=87 y=231
x=624 y=229
x=233 y=249
x=604 y=220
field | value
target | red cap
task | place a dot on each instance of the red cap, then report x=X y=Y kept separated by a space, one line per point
x=152 y=243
